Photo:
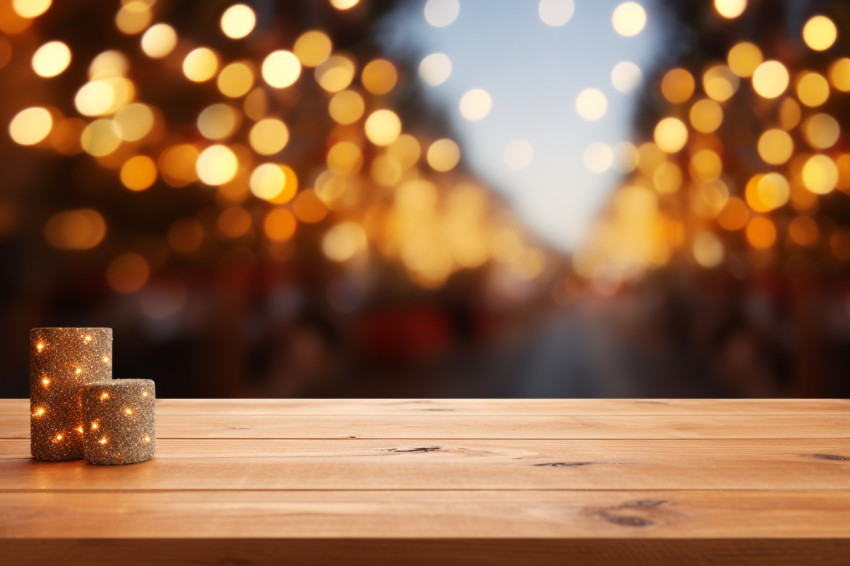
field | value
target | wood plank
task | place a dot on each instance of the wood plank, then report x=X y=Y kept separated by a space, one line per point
x=421 y=552
x=449 y=464
x=437 y=426
x=483 y=406
x=409 y=514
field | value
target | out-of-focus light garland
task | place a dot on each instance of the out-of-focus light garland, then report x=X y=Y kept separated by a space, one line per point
x=712 y=189
x=381 y=188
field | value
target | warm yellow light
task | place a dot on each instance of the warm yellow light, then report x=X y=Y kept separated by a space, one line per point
x=106 y=359
x=677 y=85
x=671 y=135
x=216 y=165
x=147 y=438
x=591 y=104
x=103 y=397
x=159 y=40
x=39 y=346
x=87 y=338
x=812 y=89
x=475 y=104
x=667 y=178
x=744 y=58
x=312 y=48
x=60 y=436
x=218 y=121
x=134 y=122
x=820 y=174
x=279 y=225
x=308 y=207
x=128 y=411
x=734 y=215
x=238 y=21
x=770 y=79
x=344 y=4
x=707 y=249
x=145 y=394
x=773 y=190
x=775 y=146
x=761 y=233
x=267 y=181
x=720 y=83
x=78 y=371
x=100 y=138
x=138 y=173
x=730 y=9
x=39 y=411
x=200 y=64
x=345 y=158
x=839 y=74
x=94 y=98
x=343 y=241
x=95 y=426
x=103 y=440
x=235 y=80
x=128 y=273
x=821 y=131
x=706 y=115
x=819 y=33
x=379 y=76
x=45 y=381
x=281 y=68
x=51 y=59
x=335 y=73
x=30 y=9
x=406 y=150
x=443 y=155
x=108 y=65
x=79 y=429
x=268 y=136
x=705 y=165
x=346 y=107
x=803 y=230
x=79 y=229
x=435 y=69
x=628 y=19
x=30 y=126
x=133 y=17
x=382 y=127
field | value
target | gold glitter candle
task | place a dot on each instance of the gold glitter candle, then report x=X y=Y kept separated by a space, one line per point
x=62 y=360
x=120 y=422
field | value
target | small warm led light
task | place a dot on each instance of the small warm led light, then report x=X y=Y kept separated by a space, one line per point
x=38 y=412
x=60 y=436
x=128 y=411
x=103 y=440
x=79 y=429
x=145 y=393
x=87 y=338
x=104 y=396
x=39 y=346
x=147 y=438
x=78 y=371
x=95 y=426
x=45 y=381
x=106 y=359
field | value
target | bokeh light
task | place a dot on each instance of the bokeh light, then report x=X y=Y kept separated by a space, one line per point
x=443 y=155
x=216 y=165
x=51 y=59
x=281 y=69
x=626 y=76
x=730 y=9
x=200 y=64
x=591 y=104
x=30 y=125
x=238 y=21
x=555 y=13
x=475 y=104
x=435 y=69
x=770 y=79
x=628 y=19
x=440 y=13
x=819 y=33
x=159 y=40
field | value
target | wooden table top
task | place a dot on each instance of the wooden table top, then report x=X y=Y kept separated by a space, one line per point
x=445 y=482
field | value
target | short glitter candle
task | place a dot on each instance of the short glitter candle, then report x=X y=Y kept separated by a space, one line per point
x=61 y=361
x=120 y=422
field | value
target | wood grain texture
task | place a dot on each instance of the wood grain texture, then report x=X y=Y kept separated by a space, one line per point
x=445 y=482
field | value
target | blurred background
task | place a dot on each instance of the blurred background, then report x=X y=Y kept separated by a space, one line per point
x=441 y=198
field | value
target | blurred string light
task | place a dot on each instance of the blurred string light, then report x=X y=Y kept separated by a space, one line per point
x=380 y=189
x=706 y=192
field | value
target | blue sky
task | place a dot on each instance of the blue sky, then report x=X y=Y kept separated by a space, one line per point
x=534 y=73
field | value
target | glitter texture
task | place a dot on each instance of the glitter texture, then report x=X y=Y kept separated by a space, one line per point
x=62 y=360
x=120 y=422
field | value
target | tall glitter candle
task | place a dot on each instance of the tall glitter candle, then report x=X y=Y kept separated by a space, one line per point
x=61 y=361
